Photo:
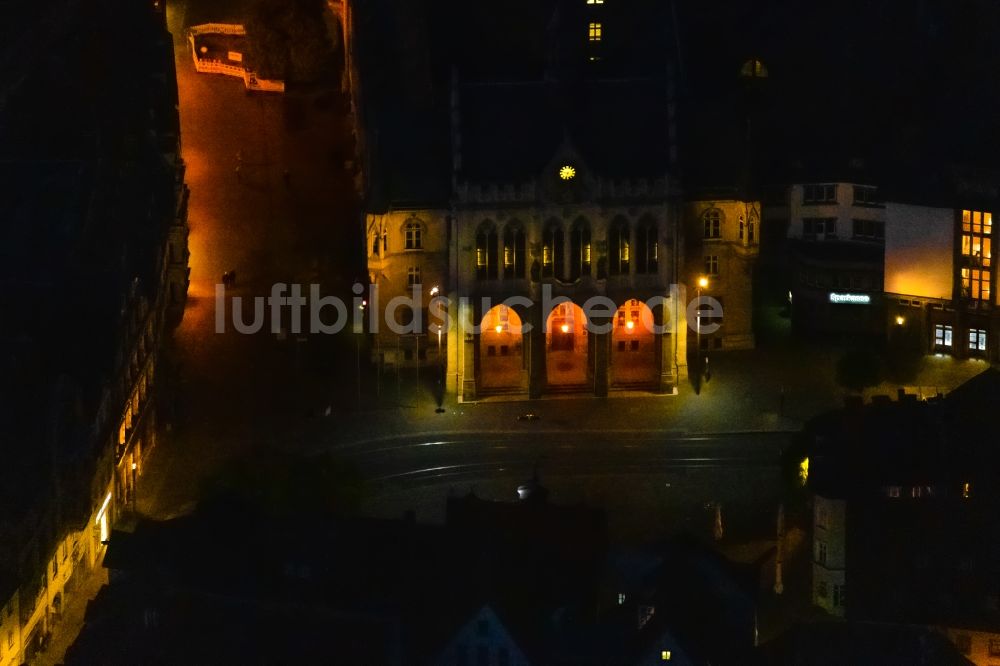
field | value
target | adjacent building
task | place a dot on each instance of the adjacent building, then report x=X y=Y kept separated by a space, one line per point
x=94 y=273
x=904 y=515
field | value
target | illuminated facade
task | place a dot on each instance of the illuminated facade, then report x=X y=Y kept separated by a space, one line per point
x=940 y=279
x=722 y=241
x=542 y=175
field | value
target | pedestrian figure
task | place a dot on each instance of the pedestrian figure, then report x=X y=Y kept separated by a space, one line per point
x=232 y=278
x=225 y=279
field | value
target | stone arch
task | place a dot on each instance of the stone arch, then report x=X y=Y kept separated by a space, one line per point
x=502 y=363
x=634 y=347
x=567 y=349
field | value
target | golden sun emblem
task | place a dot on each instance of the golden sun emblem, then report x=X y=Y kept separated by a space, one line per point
x=567 y=172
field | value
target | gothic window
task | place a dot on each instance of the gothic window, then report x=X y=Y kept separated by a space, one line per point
x=580 y=249
x=487 y=259
x=619 y=247
x=552 y=250
x=646 y=247
x=513 y=251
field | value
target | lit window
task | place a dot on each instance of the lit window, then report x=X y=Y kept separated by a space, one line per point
x=665 y=655
x=621 y=598
x=413 y=275
x=411 y=232
x=754 y=69
x=892 y=491
x=619 y=250
x=712 y=264
x=942 y=335
x=595 y=2
x=594 y=32
x=977 y=340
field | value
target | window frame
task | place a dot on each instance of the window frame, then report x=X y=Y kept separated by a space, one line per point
x=712 y=224
x=819 y=193
x=413 y=234
x=944 y=336
x=711 y=265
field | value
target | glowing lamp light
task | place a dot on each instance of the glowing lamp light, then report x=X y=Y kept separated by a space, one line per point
x=499 y=328
x=900 y=321
x=567 y=172
x=564 y=328
x=134 y=466
x=703 y=282
x=434 y=291
x=630 y=324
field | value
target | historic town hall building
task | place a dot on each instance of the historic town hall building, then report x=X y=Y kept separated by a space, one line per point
x=527 y=184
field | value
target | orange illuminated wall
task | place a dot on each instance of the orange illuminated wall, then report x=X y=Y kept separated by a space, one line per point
x=919 y=250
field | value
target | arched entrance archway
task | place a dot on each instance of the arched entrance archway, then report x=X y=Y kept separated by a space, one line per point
x=501 y=352
x=566 y=346
x=633 y=346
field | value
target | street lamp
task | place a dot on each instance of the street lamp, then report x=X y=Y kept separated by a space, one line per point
x=441 y=370
x=357 y=350
x=702 y=284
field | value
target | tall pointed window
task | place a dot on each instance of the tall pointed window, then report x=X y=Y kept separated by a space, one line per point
x=647 y=247
x=579 y=250
x=619 y=247
x=552 y=250
x=487 y=261
x=513 y=251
